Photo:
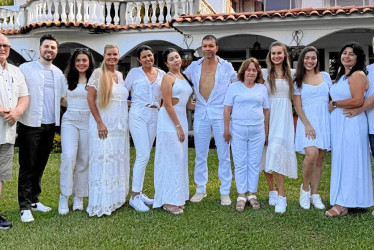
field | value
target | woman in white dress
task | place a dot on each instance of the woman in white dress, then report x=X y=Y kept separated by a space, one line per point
x=279 y=156
x=74 y=132
x=144 y=82
x=247 y=107
x=171 y=158
x=311 y=100
x=351 y=178
x=109 y=155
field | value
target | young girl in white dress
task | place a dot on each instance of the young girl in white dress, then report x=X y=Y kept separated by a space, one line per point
x=311 y=100
x=279 y=156
x=171 y=157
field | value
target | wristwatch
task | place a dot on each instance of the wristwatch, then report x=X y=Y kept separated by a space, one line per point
x=334 y=104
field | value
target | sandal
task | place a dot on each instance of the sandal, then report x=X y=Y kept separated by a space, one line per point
x=252 y=199
x=336 y=212
x=240 y=203
x=173 y=209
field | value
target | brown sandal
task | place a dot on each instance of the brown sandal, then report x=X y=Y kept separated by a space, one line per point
x=240 y=204
x=252 y=199
x=337 y=211
x=173 y=209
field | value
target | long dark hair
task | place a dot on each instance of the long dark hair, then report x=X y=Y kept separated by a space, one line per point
x=165 y=54
x=143 y=48
x=72 y=74
x=360 y=64
x=300 y=70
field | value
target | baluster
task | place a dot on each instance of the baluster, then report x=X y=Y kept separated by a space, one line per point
x=116 y=17
x=101 y=17
x=138 y=8
x=63 y=11
x=154 y=7
x=176 y=8
x=86 y=16
x=168 y=10
x=49 y=10
x=71 y=10
x=38 y=12
x=93 y=12
x=18 y=16
x=5 y=20
x=43 y=9
x=56 y=15
x=2 y=17
x=79 y=10
x=146 y=12
x=161 y=17
x=129 y=8
x=184 y=6
x=108 y=18
x=190 y=6
x=11 y=20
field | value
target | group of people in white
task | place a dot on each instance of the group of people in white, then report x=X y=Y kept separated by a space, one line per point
x=249 y=110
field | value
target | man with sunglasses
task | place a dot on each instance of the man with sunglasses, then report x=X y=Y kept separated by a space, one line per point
x=36 y=130
x=13 y=101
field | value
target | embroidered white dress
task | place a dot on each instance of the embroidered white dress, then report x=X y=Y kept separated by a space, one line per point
x=109 y=159
x=171 y=158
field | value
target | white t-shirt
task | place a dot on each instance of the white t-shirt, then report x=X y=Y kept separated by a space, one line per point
x=48 y=97
x=370 y=92
x=248 y=104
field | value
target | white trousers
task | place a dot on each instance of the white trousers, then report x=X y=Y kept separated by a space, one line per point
x=74 y=156
x=143 y=127
x=247 y=144
x=202 y=134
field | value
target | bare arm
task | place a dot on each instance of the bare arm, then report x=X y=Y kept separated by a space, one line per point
x=91 y=98
x=166 y=89
x=266 y=124
x=226 y=121
x=14 y=114
x=64 y=102
x=368 y=104
x=3 y=111
x=191 y=104
x=309 y=130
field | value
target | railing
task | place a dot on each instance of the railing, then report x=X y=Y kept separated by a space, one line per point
x=99 y=12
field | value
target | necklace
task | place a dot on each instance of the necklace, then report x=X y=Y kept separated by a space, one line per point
x=279 y=73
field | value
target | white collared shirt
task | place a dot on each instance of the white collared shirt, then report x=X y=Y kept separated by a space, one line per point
x=369 y=92
x=12 y=87
x=213 y=108
x=143 y=92
x=34 y=74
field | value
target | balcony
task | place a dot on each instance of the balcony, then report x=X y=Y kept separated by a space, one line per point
x=125 y=12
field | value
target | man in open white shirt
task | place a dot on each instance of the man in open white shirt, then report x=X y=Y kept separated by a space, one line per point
x=211 y=77
x=13 y=101
x=47 y=87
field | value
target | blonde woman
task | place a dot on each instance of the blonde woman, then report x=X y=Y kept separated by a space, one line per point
x=108 y=137
x=279 y=157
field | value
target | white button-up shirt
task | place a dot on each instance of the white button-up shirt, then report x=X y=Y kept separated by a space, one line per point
x=34 y=74
x=144 y=92
x=213 y=108
x=12 y=87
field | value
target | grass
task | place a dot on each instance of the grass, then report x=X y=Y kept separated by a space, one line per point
x=206 y=225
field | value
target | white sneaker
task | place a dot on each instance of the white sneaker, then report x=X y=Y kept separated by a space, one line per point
x=281 y=205
x=145 y=199
x=316 y=200
x=78 y=203
x=225 y=200
x=198 y=197
x=63 y=206
x=26 y=216
x=273 y=197
x=304 y=198
x=138 y=204
x=40 y=207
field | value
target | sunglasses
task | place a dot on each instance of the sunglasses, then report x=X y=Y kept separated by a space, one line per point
x=82 y=50
x=5 y=46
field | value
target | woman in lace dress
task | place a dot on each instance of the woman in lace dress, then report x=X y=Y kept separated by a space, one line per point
x=311 y=100
x=109 y=153
x=279 y=156
x=171 y=158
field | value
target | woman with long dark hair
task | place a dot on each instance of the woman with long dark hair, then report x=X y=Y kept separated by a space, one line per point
x=311 y=101
x=351 y=179
x=74 y=132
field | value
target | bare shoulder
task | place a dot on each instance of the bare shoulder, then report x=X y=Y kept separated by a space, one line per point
x=358 y=76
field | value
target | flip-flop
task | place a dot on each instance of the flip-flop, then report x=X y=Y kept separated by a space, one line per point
x=335 y=212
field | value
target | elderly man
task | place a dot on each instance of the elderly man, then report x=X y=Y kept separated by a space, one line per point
x=47 y=86
x=13 y=101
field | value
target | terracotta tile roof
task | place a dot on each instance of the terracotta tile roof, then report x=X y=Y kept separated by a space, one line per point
x=292 y=13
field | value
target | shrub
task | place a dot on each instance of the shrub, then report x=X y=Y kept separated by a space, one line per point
x=57 y=143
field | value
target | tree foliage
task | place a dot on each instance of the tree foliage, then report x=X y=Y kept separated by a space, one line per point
x=6 y=2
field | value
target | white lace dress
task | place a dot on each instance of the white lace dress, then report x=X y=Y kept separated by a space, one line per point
x=109 y=159
x=279 y=156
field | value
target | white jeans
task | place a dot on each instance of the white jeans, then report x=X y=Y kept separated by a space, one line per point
x=202 y=134
x=247 y=144
x=74 y=156
x=142 y=125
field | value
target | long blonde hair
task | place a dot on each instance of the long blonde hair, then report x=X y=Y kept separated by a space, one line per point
x=285 y=67
x=106 y=80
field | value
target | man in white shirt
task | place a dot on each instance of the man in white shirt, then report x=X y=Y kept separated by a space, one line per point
x=13 y=101
x=47 y=87
x=211 y=77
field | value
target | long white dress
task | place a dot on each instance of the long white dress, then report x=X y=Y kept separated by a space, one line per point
x=279 y=156
x=315 y=103
x=109 y=159
x=351 y=180
x=171 y=157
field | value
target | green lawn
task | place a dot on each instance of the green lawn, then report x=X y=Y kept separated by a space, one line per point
x=206 y=225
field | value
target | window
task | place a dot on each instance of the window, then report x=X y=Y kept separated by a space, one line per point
x=277 y=5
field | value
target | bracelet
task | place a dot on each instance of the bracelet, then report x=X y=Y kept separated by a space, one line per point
x=178 y=126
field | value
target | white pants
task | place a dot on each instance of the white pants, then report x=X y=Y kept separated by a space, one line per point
x=142 y=125
x=247 y=144
x=202 y=134
x=74 y=156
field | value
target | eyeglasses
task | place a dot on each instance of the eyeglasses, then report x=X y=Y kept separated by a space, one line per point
x=82 y=49
x=5 y=46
